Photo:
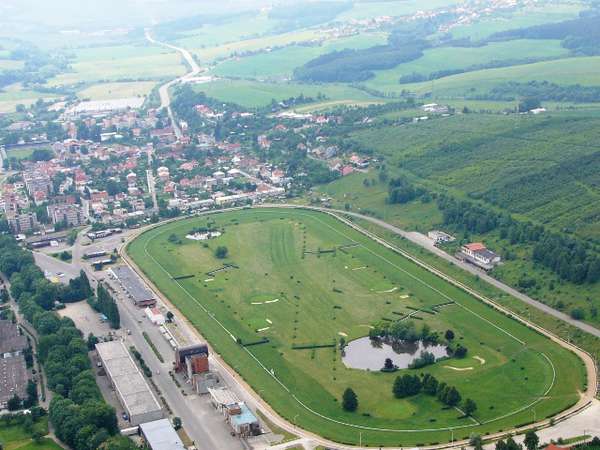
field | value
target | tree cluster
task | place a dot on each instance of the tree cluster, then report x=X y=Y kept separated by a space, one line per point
x=570 y=258
x=105 y=303
x=401 y=191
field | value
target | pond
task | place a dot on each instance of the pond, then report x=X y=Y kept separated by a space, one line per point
x=365 y=353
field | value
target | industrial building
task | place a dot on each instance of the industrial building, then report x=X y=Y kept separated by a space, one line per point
x=192 y=359
x=160 y=435
x=243 y=422
x=133 y=286
x=131 y=388
x=13 y=369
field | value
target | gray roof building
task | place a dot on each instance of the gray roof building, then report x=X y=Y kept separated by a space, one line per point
x=133 y=286
x=133 y=392
x=160 y=435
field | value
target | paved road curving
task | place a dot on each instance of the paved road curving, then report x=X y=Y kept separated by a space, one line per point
x=165 y=99
x=586 y=399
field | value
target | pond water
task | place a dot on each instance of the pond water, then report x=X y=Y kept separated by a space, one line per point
x=365 y=353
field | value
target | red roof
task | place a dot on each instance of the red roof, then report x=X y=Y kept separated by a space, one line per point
x=475 y=246
x=556 y=447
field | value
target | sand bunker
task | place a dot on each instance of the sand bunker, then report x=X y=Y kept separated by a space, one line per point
x=459 y=369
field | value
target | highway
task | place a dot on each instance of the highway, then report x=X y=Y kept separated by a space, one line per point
x=165 y=98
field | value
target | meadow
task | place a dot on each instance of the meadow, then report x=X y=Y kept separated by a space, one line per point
x=280 y=64
x=125 y=62
x=300 y=278
x=452 y=58
x=254 y=94
x=108 y=91
x=566 y=71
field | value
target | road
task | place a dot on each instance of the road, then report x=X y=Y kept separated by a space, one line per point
x=426 y=243
x=570 y=417
x=165 y=98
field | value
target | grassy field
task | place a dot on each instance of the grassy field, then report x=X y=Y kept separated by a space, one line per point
x=107 y=91
x=566 y=71
x=209 y=54
x=15 y=437
x=369 y=9
x=528 y=16
x=452 y=58
x=281 y=63
x=13 y=95
x=240 y=28
x=121 y=62
x=315 y=297
x=253 y=94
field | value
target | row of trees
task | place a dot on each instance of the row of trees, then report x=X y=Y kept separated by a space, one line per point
x=401 y=191
x=80 y=416
x=106 y=304
x=571 y=259
x=403 y=330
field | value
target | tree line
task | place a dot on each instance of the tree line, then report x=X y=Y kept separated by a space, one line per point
x=570 y=258
x=543 y=90
x=80 y=416
x=104 y=303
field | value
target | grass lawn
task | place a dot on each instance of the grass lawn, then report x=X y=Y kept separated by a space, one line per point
x=20 y=153
x=452 y=58
x=15 y=437
x=108 y=91
x=253 y=94
x=282 y=292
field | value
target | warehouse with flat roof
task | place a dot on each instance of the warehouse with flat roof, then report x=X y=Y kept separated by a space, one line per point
x=160 y=435
x=133 y=286
x=133 y=392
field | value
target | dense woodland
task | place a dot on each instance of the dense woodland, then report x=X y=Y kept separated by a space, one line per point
x=543 y=90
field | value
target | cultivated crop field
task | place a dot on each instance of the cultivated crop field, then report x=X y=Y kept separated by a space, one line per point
x=300 y=280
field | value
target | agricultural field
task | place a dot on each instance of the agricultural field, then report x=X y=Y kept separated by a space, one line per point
x=516 y=162
x=239 y=28
x=15 y=94
x=108 y=91
x=254 y=94
x=226 y=50
x=452 y=58
x=367 y=9
x=280 y=64
x=524 y=17
x=566 y=71
x=121 y=63
x=293 y=283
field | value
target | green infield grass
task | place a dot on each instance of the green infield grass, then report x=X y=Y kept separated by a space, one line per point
x=297 y=278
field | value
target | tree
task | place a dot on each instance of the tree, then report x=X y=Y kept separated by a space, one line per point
x=170 y=316
x=449 y=335
x=221 y=252
x=476 y=442
x=469 y=407
x=14 y=403
x=349 y=400
x=388 y=364
x=531 y=440
x=91 y=341
x=177 y=424
x=406 y=386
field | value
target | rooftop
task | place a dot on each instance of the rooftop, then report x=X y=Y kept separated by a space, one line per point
x=160 y=435
x=130 y=384
x=132 y=284
x=245 y=418
x=11 y=339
